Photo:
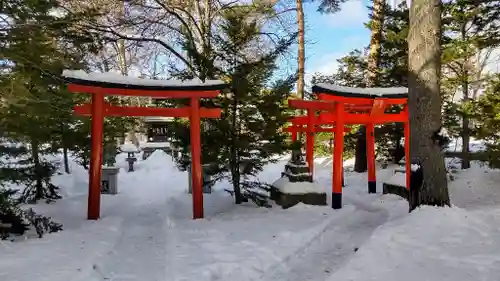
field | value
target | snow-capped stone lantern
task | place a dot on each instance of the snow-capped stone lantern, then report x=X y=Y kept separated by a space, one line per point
x=297 y=169
x=131 y=150
x=296 y=185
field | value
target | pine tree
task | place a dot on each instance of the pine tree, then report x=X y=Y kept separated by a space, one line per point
x=37 y=45
x=487 y=124
x=353 y=70
x=248 y=134
x=470 y=32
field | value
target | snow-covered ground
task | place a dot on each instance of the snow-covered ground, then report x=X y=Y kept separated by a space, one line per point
x=146 y=233
x=474 y=145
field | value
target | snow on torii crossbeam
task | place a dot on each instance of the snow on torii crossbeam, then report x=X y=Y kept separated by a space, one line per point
x=102 y=84
x=346 y=106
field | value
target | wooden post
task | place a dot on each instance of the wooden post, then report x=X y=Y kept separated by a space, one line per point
x=370 y=155
x=337 y=157
x=196 y=173
x=407 y=154
x=294 y=134
x=94 y=198
x=310 y=141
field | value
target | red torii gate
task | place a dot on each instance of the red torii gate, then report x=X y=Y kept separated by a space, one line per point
x=346 y=106
x=297 y=126
x=100 y=85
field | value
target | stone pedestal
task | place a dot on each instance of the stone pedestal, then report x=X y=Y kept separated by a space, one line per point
x=296 y=185
x=287 y=200
x=109 y=180
x=207 y=180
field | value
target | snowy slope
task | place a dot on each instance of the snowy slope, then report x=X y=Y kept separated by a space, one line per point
x=459 y=243
x=147 y=233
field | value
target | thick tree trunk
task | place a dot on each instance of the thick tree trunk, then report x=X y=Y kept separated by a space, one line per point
x=360 y=164
x=301 y=56
x=424 y=100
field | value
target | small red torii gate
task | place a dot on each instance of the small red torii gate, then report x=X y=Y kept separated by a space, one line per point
x=342 y=106
x=100 y=85
x=297 y=126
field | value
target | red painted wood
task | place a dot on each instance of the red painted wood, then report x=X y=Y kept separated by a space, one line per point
x=196 y=172
x=311 y=104
x=111 y=110
x=142 y=93
x=295 y=129
x=370 y=152
x=366 y=101
x=98 y=110
x=338 y=150
x=310 y=141
x=352 y=118
x=94 y=197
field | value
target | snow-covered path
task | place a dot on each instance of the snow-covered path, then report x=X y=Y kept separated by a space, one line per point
x=333 y=248
x=140 y=251
x=157 y=237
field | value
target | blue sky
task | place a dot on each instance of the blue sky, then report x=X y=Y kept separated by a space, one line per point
x=331 y=36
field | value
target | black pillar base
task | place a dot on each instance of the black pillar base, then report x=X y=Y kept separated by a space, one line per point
x=336 y=200
x=372 y=187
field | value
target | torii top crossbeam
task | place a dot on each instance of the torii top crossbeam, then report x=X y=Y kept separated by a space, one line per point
x=119 y=85
x=339 y=106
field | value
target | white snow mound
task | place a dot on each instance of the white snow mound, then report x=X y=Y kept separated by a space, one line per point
x=284 y=185
x=454 y=245
x=158 y=160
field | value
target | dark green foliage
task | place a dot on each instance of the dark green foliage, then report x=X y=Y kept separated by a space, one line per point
x=36 y=107
x=18 y=167
x=329 y=6
x=248 y=134
x=487 y=125
x=15 y=220
x=36 y=44
x=11 y=221
x=393 y=72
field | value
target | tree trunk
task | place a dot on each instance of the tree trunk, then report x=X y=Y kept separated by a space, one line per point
x=66 y=164
x=65 y=149
x=235 y=177
x=377 y=22
x=234 y=158
x=35 y=153
x=361 y=161
x=301 y=57
x=424 y=100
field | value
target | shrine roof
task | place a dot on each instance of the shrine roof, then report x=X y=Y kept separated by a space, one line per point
x=117 y=81
x=353 y=92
